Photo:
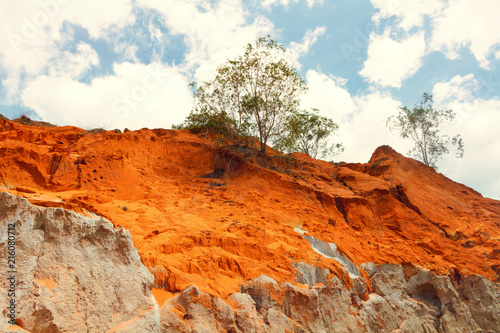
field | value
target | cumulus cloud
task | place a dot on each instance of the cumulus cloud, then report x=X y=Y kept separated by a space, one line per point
x=366 y=129
x=458 y=89
x=468 y=23
x=267 y=4
x=296 y=50
x=37 y=32
x=328 y=94
x=361 y=119
x=455 y=24
x=391 y=61
x=135 y=96
x=410 y=13
x=230 y=30
x=477 y=123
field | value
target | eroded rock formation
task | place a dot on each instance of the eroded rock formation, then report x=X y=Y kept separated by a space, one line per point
x=79 y=274
x=237 y=241
x=73 y=273
x=393 y=298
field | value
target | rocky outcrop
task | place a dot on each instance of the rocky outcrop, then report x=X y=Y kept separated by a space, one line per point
x=217 y=216
x=373 y=298
x=405 y=299
x=79 y=274
x=238 y=241
x=72 y=273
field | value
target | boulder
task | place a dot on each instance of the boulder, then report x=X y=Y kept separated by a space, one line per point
x=73 y=273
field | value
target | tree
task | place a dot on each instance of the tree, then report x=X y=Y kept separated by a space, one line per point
x=217 y=105
x=308 y=132
x=421 y=124
x=253 y=93
x=203 y=119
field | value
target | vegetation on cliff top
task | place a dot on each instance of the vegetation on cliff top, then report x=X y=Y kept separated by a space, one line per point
x=257 y=94
x=421 y=124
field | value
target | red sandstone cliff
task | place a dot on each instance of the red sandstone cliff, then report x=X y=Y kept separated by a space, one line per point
x=217 y=218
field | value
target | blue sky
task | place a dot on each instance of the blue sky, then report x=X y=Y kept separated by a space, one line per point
x=128 y=63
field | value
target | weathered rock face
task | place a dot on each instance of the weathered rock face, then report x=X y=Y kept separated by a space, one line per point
x=216 y=218
x=79 y=274
x=241 y=241
x=73 y=273
x=405 y=299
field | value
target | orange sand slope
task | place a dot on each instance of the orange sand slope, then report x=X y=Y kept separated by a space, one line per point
x=215 y=217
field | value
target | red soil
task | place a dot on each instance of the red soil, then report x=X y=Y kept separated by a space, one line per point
x=217 y=233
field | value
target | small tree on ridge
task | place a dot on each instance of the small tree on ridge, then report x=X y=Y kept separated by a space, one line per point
x=421 y=124
x=308 y=132
x=257 y=94
x=253 y=93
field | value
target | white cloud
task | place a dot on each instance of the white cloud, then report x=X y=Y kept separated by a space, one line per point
x=75 y=64
x=214 y=33
x=468 y=23
x=97 y=18
x=458 y=89
x=410 y=12
x=128 y=51
x=366 y=129
x=35 y=33
x=327 y=94
x=390 y=62
x=361 y=119
x=267 y=4
x=155 y=32
x=477 y=124
x=296 y=50
x=135 y=96
x=456 y=24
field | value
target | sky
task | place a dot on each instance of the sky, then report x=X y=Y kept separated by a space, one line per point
x=127 y=64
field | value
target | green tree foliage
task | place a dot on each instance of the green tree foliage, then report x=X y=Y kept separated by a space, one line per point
x=421 y=124
x=271 y=88
x=252 y=94
x=217 y=105
x=308 y=132
x=204 y=118
x=257 y=94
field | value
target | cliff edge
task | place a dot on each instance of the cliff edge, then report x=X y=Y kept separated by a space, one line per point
x=257 y=235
